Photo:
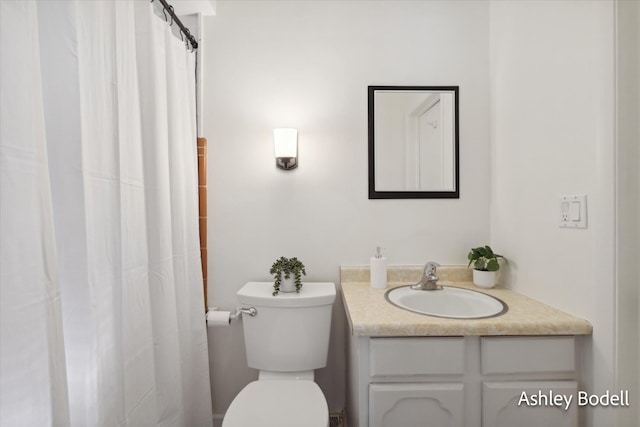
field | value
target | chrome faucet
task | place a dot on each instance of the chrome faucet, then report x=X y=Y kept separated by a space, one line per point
x=429 y=279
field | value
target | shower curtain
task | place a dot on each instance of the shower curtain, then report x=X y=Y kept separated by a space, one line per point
x=101 y=315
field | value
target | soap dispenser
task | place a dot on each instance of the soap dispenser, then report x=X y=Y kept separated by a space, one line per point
x=378 y=271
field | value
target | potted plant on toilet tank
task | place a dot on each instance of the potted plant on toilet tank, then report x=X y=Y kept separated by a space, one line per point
x=287 y=274
x=485 y=265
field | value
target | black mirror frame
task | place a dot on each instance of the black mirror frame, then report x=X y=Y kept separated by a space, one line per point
x=373 y=194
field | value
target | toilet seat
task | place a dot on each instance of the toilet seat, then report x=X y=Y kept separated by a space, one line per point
x=278 y=403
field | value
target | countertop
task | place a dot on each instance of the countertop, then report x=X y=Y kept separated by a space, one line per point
x=370 y=314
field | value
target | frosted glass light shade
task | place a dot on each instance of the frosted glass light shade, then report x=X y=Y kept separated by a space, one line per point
x=285 y=143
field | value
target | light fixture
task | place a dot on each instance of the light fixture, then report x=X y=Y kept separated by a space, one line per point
x=285 y=143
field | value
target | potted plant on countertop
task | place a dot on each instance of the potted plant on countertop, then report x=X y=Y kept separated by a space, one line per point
x=287 y=274
x=485 y=265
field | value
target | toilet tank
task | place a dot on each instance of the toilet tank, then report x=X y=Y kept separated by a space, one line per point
x=290 y=331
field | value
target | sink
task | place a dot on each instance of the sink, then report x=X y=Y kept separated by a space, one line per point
x=451 y=302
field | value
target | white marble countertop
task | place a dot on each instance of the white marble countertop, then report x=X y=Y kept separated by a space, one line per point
x=370 y=314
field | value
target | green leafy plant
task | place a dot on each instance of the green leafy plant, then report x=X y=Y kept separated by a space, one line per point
x=287 y=267
x=484 y=259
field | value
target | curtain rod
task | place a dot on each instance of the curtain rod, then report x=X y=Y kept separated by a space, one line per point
x=174 y=19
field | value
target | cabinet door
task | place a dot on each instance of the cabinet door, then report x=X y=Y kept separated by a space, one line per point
x=416 y=405
x=529 y=404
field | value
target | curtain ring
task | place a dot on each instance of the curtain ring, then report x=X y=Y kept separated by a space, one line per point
x=185 y=39
x=172 y=14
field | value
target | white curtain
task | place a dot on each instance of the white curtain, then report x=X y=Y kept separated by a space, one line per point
x=102 y=311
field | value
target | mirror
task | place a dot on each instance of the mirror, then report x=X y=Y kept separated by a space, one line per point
x=413 y=142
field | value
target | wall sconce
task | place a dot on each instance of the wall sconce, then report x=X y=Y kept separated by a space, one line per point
x=285 y=143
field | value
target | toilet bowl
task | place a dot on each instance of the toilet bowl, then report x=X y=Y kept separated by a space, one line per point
x=278 y=403
x=286 y=340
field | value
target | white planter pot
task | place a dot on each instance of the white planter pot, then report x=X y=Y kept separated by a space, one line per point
x=484 y=279
x=287 y=285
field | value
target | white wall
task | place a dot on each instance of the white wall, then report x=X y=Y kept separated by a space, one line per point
x=553 y=134
x=628 y=212
x=307 y=64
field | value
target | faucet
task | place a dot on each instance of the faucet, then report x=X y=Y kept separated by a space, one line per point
x=429 y=279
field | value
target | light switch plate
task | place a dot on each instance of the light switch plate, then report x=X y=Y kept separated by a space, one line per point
x=573 y=211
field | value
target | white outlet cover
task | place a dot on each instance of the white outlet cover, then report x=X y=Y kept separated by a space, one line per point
x=573 y=211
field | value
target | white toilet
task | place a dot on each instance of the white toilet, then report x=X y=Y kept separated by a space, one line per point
x=286 y=340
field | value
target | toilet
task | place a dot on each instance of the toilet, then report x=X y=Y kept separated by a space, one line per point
x=286 y=340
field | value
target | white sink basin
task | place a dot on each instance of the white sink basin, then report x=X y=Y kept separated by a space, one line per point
x=449 y=302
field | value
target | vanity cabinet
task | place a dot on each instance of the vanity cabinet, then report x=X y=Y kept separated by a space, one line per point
x=468 y=381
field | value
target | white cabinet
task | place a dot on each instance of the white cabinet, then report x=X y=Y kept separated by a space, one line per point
x=394 y=405
x=503 y=404
x=463 y=381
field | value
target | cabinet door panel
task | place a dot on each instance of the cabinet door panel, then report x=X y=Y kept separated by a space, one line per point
x=503 y=404
x=416 y=405
x=416 y=356
x=508 y=355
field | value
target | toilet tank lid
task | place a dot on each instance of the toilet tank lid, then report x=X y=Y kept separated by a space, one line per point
x=311 y=294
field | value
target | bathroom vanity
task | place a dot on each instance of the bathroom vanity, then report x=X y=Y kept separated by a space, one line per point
x=407 y=369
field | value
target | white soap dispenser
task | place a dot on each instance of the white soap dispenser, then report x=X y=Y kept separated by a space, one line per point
x=378 y=270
